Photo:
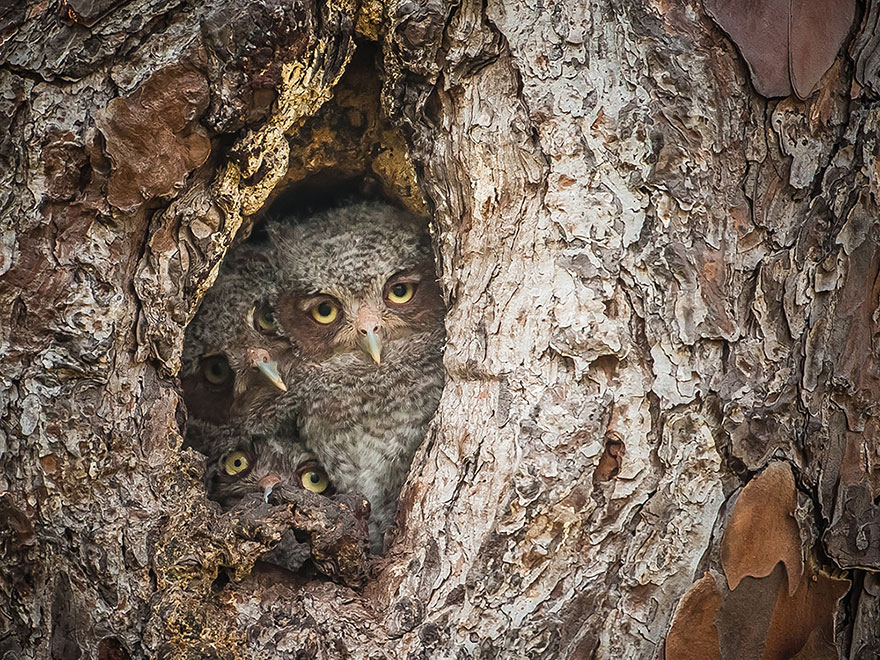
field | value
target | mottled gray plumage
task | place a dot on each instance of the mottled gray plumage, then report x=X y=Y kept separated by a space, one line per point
x=239 y=465
x=364 y=417
x=265 y=460
x=226 y=332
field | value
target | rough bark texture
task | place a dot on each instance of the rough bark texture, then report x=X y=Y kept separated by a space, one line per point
x=664 y=329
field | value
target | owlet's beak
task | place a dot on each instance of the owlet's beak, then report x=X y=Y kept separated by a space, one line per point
x=261 y=360
x=368 y=325
x=267 y=483
x=371 y=344
x=270 y=371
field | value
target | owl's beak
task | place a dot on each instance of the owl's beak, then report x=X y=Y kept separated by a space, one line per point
x=260 y=359
x=267 y=483
x=270 y=371
x=371 y=344
x=369 y=323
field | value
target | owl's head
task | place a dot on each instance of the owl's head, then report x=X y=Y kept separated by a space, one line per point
x=229 y=365
x=241 y=465
x=356 y=284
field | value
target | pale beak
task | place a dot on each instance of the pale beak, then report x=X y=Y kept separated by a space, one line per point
x=267 y=483
x=270 y=371
x=260 y=359
x=368 y=324
x=371 y=344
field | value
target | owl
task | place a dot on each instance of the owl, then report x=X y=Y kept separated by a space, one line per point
x=359 y=304
x=240 y=464
x=230 y=374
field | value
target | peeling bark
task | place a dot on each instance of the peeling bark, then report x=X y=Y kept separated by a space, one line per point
x=659 y=282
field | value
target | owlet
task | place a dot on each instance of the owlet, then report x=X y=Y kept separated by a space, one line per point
x=230 y=375
x=359 y=303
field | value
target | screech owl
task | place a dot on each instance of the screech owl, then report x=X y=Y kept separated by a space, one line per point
x=240 y=464
x=359 y=303
x=230 y=374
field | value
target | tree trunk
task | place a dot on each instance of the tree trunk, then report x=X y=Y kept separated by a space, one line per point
x=659 y=431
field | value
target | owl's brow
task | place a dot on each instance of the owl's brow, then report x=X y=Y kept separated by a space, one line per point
x=409 y=275
x=305 y=303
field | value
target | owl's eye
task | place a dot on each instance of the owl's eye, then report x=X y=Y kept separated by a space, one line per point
x=264 y=319
x=325 y=312
x=401 y=293
x=216 y=370
x=315 y=480
x=235 y=463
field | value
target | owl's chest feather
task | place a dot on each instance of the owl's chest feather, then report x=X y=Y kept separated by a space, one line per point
x=364 y=414
x=374 y=421
x=364 y=422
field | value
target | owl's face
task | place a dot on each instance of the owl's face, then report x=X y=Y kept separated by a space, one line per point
x=230 y=361
x=362 y=323
x=357 y=295
x=256 y=464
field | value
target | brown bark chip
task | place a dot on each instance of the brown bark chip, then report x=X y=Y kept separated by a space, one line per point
x=760 y=30
x=694 y=631
x=762 y=530
x=817 y=30
x=153 y=138
x=612 y=458
x=788 y=46
x=806 y=616
x=745 y=615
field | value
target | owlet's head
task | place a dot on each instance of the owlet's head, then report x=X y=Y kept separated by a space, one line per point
x=230 y=369
x=356 y=284
x=239 y=465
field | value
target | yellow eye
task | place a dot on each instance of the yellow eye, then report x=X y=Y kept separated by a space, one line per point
x=265 y=319
x=325 y=312
x=315 y=480
x=216 y=370
x=235 y=463
x=402 y=292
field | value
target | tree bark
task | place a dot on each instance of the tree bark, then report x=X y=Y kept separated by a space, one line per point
x=659 y=431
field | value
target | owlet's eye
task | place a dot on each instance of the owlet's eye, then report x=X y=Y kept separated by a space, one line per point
x=325 y=312
x=216 y=370
x=315 y=480
x=401 y=293
x=235 y=463
x=264 y=319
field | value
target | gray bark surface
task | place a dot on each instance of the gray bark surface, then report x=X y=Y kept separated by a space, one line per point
x=663 y=329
